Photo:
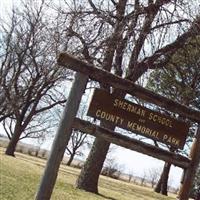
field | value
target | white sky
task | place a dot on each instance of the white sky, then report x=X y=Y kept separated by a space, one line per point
x=133 y=161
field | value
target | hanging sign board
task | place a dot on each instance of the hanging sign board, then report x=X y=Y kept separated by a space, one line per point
x=138 y=119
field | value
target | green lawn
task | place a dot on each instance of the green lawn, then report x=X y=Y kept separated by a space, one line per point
x=19 y=179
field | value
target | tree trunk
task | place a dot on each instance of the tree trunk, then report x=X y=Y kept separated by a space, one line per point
x=88 y=178
x=159 y=184
x=166 y=171
x=162 y=184
x=71 y=158
x=10 y=150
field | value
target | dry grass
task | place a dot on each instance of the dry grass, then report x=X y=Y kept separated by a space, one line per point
x=20 y=177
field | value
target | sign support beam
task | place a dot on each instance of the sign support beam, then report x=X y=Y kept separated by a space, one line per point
x=190 y=171
x=131 y=143
x=62 y=138
x=128 y=86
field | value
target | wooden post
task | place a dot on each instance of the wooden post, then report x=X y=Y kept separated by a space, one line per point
x=189 y=173
x=62 y=137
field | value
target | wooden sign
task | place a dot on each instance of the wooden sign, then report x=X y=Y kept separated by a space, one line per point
x=138 y=119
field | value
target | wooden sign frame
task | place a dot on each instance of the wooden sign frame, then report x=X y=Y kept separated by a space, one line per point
x=69 y=121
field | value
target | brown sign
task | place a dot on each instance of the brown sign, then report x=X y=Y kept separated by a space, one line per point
x=138 y=119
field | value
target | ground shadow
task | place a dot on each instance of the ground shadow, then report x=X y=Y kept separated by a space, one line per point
x=104 y=196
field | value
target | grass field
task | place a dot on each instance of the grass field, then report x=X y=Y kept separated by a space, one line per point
x=19 y=179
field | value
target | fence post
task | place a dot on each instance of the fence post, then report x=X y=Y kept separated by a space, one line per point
x=189 y=173
x=62 y=137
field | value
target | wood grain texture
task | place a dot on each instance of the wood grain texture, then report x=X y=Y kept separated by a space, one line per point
x=130 y=143
x=137 y=119
x=62 y=137
x=129 y=87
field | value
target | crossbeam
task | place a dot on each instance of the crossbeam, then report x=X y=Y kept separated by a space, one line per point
x=131 y=143
x=129 y=87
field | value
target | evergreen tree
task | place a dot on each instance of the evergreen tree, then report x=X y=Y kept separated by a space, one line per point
x=195 y=193
x=180 y=81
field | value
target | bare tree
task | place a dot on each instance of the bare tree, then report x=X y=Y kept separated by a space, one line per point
x=77 y=140
x=153 y=175
x=31 y=79
x=131 y=176
x=143 y=179
x=112 y=168
x=129 y=38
